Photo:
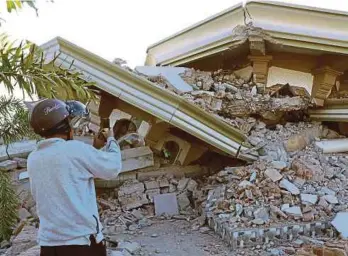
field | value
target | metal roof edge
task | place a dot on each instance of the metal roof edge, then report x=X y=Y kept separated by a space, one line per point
x=153 y=99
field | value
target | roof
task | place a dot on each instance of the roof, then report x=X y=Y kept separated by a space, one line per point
x=147 y=96
x=292 y=25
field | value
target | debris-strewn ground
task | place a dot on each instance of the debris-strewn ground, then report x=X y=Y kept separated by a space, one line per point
x=292 y=201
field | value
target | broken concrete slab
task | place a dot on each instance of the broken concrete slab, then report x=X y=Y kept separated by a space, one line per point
x=131 y=247
x=279 y=165
x=183 y=184
x=119 y=252
x=136 y=158
x=294 y=211
x=192 y=185
x=8 y=165
x=284 y=183
x=309 y=198
x=151 y=184
x=23 y=175
x=131 y=188
x=244 y=73
x=152 y=192
x=166 y=204
x=273 y=174
x=262 y=213
x=330 y=199
x=18 y=149
x=340 y=224
x=171 y=74
x=164 y=183
x=133 y=201
x=23 y=213
x=22 y=162
x=183 y=201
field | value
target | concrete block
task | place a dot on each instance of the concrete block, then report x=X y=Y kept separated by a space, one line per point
x=18 y=149
x=340 y=224
x=331 y=199
x=136 y=158
x=289 y=187
x=273 y=174
x=132 y=188
x=23 y=175
x=183 y=184
x=152 y=184
x=192 y=185
x=164 y=183
x=8 y=165
x=131 y=247
x=183 y=201
x=309 y=198
x=152 y=192
x=166 y=204
x=133 y=201
x=22 y=162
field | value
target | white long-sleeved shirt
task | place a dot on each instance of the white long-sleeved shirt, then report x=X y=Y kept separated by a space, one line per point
x=62 y=176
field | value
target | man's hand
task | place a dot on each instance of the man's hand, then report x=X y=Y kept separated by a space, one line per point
x=101 y=138
x=107 y=133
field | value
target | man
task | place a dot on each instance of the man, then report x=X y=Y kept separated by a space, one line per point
x=61 y=173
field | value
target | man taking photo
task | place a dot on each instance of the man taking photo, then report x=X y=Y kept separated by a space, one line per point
x=62 y=172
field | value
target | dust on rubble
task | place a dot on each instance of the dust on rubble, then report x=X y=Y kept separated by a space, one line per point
x=282 y=204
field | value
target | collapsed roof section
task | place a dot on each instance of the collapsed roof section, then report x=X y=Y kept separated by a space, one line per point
x=164 y=105
x=293 y=27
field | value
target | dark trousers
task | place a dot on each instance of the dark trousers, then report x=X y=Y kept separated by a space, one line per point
x=75 y=250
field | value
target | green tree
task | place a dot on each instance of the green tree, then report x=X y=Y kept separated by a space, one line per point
x=23 y=66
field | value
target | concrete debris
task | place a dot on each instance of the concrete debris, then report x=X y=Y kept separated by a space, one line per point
x=273 y=174
x=21 y=162
x=8 y=165
x=309 y=198
x=166 y=204
x=294 y=211
x=331 y=199
x=23 y=175
x=340 y=224
x=23 y=214
x=183 y=201
x=289 y=187
x=289 y=195
x=131 y=247
x=279 y=165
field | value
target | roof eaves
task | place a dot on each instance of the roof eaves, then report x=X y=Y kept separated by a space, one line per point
x=198 y=24
x=153 y=99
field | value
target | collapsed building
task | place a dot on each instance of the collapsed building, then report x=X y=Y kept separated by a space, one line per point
x=251 y=101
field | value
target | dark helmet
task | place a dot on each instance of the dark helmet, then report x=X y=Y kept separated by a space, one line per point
x=52 y=115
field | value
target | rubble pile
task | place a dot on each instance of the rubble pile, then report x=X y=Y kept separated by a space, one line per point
x=229 y=95
x=131 y=206
x=292 y=190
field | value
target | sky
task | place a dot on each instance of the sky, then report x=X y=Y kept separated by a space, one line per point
x=119 y=29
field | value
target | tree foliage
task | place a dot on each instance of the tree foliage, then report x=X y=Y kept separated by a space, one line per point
x=8 y=206
x=14 y=119
x=23 y=66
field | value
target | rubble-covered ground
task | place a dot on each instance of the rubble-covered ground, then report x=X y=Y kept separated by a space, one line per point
x=292 y=201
